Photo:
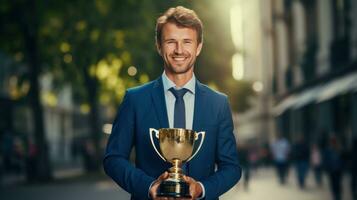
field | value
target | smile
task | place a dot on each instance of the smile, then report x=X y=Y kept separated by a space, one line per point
x=179 y=58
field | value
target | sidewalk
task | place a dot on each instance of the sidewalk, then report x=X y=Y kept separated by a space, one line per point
x=87 y=187
x=264 y=185
x=59 y=173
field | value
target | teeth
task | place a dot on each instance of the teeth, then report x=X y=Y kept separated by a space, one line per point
x=179 y=58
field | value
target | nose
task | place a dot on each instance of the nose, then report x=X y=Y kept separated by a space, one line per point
x=178 y=49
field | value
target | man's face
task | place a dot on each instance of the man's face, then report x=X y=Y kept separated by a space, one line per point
x=179 y=48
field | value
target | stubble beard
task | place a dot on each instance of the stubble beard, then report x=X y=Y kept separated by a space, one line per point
x=179 y=69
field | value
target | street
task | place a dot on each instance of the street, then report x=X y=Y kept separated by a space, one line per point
x=89 y=187
x=264 y=185
x=93 y=187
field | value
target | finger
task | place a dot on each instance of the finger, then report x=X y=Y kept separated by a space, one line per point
x=191 y=182
x=156 y=185
x=161 y=198
x=195 y=188
x=163 y=176
x=188 y=179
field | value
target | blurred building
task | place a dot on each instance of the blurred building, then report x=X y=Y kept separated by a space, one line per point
x=253 y=62
x=59 y=113
x=315 y=68
x=301 y=57
x=63 y=122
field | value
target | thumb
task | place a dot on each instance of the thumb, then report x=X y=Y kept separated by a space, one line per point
x=188 y=179
x=163 y=176
x=156 y=184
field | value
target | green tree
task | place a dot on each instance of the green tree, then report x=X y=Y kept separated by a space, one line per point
x=103 y=47
x=20 y=21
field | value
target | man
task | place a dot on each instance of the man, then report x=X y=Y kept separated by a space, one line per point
x=301 y=157
x=280 y=150
x=215 y=168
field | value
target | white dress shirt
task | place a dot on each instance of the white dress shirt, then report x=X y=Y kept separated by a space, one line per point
x=189 y=99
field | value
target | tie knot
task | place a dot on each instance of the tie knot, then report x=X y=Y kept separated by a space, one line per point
x=178 y=93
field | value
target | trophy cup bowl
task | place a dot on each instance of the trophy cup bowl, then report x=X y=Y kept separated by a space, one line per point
x=177 y=146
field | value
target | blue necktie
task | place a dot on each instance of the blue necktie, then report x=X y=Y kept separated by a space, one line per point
x=179 y=112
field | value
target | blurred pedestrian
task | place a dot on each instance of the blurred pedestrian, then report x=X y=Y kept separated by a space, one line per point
x=253 y=156
x=265 y=155
x=333 y=165
x=316 y=163
x=88 y=154
x=31 y=160
x=301 y=155
x=244 y=161
x=19 y=155
x=280 y=150
x=353 y=170
x=7 y=144
x=75 y=149
x=1 y=167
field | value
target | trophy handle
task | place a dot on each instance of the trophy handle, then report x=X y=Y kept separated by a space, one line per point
x=152 y=141
x=202 y=133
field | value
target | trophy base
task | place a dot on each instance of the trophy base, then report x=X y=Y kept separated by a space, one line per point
x=174 y=189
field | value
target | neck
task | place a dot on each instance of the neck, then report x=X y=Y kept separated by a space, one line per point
x=180 y=79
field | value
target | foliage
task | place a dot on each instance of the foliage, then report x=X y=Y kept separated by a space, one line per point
x=103 y=38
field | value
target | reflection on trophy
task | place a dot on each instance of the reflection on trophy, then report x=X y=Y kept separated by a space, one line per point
x=176 y=145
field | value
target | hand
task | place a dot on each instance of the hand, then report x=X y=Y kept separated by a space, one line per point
x=195 y=188
x=155 y=185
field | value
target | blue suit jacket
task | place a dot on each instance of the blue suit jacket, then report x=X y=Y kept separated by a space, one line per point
x=143 y=108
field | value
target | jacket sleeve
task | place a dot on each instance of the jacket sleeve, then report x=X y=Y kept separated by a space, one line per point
x=228 y=170
x=116 y=160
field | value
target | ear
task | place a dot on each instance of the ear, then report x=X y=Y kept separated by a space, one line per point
x=199 y=48
x=158 y=48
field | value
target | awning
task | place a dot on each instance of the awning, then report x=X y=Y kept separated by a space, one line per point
x=285 y=104
x=319 y=93
x=298 y=100
x=338 y=87
x=308 y=96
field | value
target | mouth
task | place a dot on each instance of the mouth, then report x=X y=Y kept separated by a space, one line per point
x=179 y=58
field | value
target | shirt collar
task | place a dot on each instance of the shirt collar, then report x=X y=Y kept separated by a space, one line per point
x=190 y=85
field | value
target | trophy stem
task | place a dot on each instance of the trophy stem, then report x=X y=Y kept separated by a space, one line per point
x=175 y=172
x=175 y=186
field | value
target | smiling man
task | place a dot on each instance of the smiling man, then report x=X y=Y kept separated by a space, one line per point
x=215 y=168
x=179 y=46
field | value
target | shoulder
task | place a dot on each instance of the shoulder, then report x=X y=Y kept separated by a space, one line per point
x=214 y=95
x=139 y=94
x=141 y=90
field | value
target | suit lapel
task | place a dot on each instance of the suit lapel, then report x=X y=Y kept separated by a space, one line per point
x=200 y=103
x=198 y=115
x=158 y=98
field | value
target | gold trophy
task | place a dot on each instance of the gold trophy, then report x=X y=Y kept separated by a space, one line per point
x=176 y=145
